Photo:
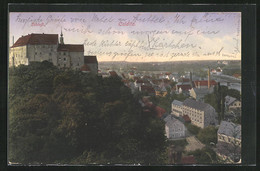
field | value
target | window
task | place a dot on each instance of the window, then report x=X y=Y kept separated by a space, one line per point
x=64 y=53
x=64 y=65
x=59 y=58
x=49 y=54
x=35 y=53
x=64 y=59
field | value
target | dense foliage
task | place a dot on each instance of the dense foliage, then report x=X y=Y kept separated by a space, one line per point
x=58 y=116
x=217 y=99
x=208 y=135
x=204 y=156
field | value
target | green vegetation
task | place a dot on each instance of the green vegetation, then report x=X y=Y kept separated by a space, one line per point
x=181 y=143
x=208 y=135
x=192 y=128
x=204 y=156
x=217 y=98
x=165 y=102
x=75 y=118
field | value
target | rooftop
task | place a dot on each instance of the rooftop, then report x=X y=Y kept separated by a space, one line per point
x=230 y=129
x=195 y=104
x=90 y=59
x=37 y=39
x=177 y=102
x=70 y=48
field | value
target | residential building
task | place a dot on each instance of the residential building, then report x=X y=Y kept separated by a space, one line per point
x=204 y=83
x=174 y=129
x=229 y=142
x=201 y=114
x=177 y=108
x=92 y=63
x=46 y=47
x=199 y=93
x=229 y=132
x=232 y=103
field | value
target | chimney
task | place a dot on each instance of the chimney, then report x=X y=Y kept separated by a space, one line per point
x=198 y=84
x=208 y=77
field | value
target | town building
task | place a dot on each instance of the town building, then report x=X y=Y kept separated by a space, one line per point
x=201 y=114
x=47 y=47
x=229 y=142
x=199 y=93
x=177 y=108
x=174 y=129
x=92 y=63
x=232 y=103
x=204 y=83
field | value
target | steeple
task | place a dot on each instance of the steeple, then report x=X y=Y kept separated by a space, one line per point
x=61 y=37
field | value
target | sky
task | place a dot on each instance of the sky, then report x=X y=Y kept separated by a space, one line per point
x=139 y=36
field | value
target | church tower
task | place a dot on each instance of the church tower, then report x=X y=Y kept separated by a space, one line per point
x=61 y=38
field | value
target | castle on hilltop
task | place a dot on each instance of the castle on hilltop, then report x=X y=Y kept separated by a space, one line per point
x=47 y=47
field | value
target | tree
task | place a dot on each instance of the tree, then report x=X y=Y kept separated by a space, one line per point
x=78 y=118
x=208 y=135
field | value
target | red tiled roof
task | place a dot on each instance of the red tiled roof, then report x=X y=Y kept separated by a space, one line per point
x=159 y=111
x=85 y=68
x=205 y=82
x=184 y=80
x=90 y=59
x=188 y=160
x=186 y=118
x=70 y=48
x=184 y=87
x=113 y=73
x=37 y=39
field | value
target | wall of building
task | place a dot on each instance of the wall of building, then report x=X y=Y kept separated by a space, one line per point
x=18 y=55
x=42 y=52
x=235 y=105
x=177 y=130
x=210 y=116
x=196 y=116
x=229 y=139
x=177 y=110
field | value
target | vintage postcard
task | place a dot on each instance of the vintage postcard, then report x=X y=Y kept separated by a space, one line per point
x=124 y=88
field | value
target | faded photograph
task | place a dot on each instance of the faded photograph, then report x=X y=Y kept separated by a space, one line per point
x=124 y=88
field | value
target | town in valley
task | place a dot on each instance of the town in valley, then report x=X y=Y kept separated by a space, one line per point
x=198 y=104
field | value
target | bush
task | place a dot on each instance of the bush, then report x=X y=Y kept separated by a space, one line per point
x=192 y=128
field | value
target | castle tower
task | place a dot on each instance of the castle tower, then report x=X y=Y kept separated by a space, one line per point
x=61 y=38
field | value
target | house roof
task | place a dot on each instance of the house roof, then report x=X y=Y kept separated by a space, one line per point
x=204 y=82
x=70 y=48
x=184 y=80
x=90 y=59
x=113 y=73
x=228 y=149
x=203 y=91
x=85 y=68
x=148 y=89
x=186 y=118
x=195 y=104
x=230 y=129
x=177 y=102
x=188 y=160
x=229 y=100
x=159 y=111
x=185 y=87
x=37 y=39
